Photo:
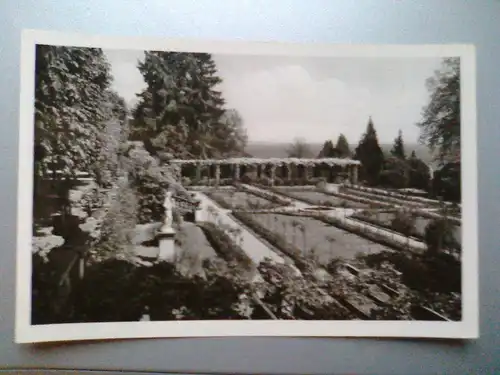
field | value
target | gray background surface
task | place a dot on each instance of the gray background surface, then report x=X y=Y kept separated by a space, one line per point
x=328 y=21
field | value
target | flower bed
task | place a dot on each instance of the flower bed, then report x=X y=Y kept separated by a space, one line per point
x=275 y=239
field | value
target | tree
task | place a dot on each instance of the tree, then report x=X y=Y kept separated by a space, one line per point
x=446 y=182
x=72 y=90
x=440 y=124
x=396 y=173
x=342 y=147
x=230 y=136
x=181 y=110
x=299 y=149
x=398 y=149
x=328 y=150
x=420 y=176
x=370 y=155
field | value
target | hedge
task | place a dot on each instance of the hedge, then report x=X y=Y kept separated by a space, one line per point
x=224 y=246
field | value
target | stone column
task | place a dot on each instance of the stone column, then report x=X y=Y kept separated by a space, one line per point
x=273 y=174
x=198 y=173
x=237 y=172
x=166 y=240
x=349 y=173
x=260 y=170
x=355 y=174
x=288 y=171
x=308 y=171
x=217 y=174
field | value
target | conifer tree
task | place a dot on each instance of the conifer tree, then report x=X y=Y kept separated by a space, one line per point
x=370 y=155
x=398 y=148
x=328 y=150
x=181 y=111
x=342 y=147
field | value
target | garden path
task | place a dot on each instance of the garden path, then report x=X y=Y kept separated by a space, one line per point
x=255 y=249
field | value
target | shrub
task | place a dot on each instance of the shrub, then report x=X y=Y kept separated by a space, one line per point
x=439 y=234
x=225 y=247
x=403 y=222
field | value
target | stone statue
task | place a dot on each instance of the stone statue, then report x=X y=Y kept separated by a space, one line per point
x=169 y=207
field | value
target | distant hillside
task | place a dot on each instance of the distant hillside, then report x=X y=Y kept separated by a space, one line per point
x=278 y=150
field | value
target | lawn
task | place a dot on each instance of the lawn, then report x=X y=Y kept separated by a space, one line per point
x=326 y=242
x=321 y=199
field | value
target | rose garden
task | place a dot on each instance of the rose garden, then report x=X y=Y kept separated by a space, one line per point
x=329 y=237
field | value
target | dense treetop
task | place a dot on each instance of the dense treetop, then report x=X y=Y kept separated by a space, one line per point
x=181 y=110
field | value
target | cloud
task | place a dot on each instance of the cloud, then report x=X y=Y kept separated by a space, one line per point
x=287 y=102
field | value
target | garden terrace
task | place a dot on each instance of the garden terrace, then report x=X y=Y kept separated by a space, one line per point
x=383 y=198
x=316 y=238
x=271 y=168
x=385 y=219
x=319 y=198
x=402 y=196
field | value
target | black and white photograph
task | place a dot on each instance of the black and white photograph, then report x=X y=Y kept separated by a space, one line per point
x=174 y=188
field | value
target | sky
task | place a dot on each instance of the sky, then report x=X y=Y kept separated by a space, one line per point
x=315 y=98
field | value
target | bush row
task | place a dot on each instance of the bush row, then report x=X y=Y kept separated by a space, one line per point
x=371 y=236
x=224 y=246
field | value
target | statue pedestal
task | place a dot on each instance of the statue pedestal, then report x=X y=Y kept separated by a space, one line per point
x=198 y=215
x=166 y=243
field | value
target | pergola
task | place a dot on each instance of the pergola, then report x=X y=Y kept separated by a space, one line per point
x=261 y=164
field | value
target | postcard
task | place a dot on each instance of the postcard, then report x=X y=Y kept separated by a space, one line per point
x=189 y=188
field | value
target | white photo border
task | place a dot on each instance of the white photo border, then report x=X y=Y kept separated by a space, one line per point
x=467 y=328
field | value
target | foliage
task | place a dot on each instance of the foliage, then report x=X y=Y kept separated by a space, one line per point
x=149 y=180
x=47 y=305
x=298 y=296
x=398 y=149
x=396 y=173
x=447 y=182
x=299 y=149
x=181 y=111
x=328 y=150
x=73 y=104
x=108 y=293
x=420 y=176
x=440 y=124
x=118 y=224
x=370 y=155
x=224 y=246
x=342 y=147
x=404 y=222
x=439 y=235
